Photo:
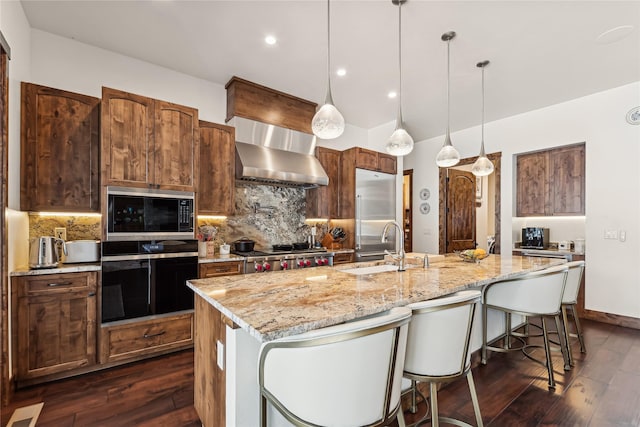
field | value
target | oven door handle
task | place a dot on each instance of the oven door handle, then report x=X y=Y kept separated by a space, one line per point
x=149 y=256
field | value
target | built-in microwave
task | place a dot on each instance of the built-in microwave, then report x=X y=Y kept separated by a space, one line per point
x=147 y=214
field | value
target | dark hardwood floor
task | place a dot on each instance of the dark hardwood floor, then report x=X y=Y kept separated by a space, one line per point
x=603 y=389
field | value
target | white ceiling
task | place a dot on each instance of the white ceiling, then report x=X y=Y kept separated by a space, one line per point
x=541 y=52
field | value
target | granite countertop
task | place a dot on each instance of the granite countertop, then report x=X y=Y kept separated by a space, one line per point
x=282 y=303
x=61 y=268
x=221 y=258
x=550 y=251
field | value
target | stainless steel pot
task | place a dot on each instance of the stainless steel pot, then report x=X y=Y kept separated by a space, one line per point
x=43 y=252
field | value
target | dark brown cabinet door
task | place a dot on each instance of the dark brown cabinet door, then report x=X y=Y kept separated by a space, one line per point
x=60 y=150
x=387 y=163
x=567 y=167
x=174 y=148
x=461 y=214
x=551 y=182
x=216 y=181
x=323 y=202
x=127 y=138
x=532 y=184
x=55 y=323
x=366 y=159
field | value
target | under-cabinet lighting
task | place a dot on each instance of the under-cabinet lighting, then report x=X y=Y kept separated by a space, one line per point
x=92 y=214
x=317 y=219
x=213 y=217
x=552 y=218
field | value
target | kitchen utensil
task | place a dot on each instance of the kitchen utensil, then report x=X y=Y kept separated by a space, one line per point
x=244 y=244
x=301 y=245
x=82 y=251
x=43 y=252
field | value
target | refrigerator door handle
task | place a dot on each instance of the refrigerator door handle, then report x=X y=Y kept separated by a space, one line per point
x=358 y=222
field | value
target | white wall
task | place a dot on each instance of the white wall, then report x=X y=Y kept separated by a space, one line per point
x=67 y=64
x=612 y=182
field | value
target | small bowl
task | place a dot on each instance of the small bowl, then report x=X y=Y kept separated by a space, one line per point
x=472 y=258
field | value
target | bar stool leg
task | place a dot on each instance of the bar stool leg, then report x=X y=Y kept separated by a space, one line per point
x=561 y=327
x=547 y=351
x=483 y=352
x=576 y=319
x=567 y=343
x=474 y=399
x=433 y=398
x=414 y=406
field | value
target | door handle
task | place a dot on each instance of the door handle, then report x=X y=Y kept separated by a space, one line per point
x=59 y=284
x=153 y=335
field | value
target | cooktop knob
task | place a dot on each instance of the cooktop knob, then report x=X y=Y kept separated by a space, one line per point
x=266 y=266
x=284 y=265
x=300 y=263
x=307 y=263
x=258 y=267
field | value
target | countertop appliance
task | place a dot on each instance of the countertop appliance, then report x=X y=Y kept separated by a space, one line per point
x=148 y=214
x=375 y=206
x=44 y=252
x=144 y=278
x=535 y=238
x=288 y=258
x=79 y=251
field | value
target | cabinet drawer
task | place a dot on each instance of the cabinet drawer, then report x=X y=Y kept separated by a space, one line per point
x=59 y=282
x=133 y=340
x=214 y=269
x=342 y=258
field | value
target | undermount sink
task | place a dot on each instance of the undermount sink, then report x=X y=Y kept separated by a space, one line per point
x=371 y=270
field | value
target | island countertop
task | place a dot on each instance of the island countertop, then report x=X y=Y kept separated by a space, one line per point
x=278 y=304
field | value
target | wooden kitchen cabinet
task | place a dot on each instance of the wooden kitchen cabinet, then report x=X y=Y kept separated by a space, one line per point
x=551 y=182
x=216 y=178
x=129 y=340
x=60 y=148
x=323 y=201
x=375 y=161
x=54 y=318
x=342 y=258
x=223 y=268
x=148 y=143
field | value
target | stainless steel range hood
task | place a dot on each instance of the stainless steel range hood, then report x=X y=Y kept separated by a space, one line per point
x=269 y=154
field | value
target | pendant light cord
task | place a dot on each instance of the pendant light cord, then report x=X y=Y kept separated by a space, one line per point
x=482 y=140
x=329 y=98
x=448 y=89
x=399 y=120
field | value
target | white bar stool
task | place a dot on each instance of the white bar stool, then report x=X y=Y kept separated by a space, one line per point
x=536 y=294
x=569 y=302
x=438 y=348
x=348 y=375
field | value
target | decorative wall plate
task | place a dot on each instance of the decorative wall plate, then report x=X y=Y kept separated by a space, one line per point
x=424 y=194
x=633 y=116
x=425 y=208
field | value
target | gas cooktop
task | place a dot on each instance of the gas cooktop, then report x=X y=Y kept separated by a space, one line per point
x=279 y=252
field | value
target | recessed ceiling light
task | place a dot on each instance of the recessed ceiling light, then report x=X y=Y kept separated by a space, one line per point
x=392 y=94
x=615 y=34
x=270 y=40
x=341 y=72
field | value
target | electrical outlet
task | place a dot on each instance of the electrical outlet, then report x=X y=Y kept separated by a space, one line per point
x=60 y=233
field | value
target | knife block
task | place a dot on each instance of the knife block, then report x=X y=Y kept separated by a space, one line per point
x=329 y=243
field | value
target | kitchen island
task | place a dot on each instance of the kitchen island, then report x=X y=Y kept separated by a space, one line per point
x=235 y=314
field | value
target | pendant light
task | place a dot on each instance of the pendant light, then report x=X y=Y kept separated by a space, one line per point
x=448 y=155
x=328 y=123
x=482 y=166
x=400 y=142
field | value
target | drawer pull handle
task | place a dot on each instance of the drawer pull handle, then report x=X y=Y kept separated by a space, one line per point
x=153 y=335
x=92 y=294
x=59 y=284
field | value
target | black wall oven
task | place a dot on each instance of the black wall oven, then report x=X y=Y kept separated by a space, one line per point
x=143 y=278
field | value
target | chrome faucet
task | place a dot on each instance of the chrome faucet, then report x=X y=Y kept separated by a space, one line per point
x=400 y=255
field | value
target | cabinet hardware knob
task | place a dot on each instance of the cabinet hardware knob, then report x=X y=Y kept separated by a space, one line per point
x=153 y=335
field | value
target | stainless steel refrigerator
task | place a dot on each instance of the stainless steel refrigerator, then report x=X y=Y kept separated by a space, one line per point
x=375 y=206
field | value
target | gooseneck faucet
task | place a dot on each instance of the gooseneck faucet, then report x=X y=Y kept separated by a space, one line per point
x=400 y=255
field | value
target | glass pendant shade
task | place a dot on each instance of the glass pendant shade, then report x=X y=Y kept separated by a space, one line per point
x=328 y=123
x=400 y=143
x=448 y=155
x=482 y=166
